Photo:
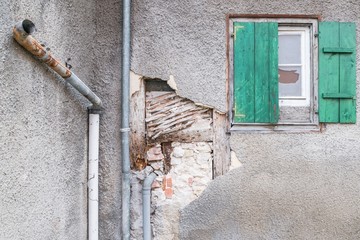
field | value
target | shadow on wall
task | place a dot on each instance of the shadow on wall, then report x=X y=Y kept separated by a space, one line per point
x=318 y=203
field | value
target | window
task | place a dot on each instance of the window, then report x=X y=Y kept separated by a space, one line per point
x=274 y=73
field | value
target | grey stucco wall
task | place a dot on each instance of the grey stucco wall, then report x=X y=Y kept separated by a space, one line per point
x=43 y=129
x=291 y=186
x=287 y=194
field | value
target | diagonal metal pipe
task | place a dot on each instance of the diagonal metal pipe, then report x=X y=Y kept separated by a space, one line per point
x=22 y=33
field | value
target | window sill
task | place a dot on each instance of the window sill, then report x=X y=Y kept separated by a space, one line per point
x=276 y=128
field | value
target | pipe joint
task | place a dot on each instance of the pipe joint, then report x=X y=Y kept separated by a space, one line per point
x=92 y=110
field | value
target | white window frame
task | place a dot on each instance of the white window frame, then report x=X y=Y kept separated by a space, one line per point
x=304 y=99
x=313 y=124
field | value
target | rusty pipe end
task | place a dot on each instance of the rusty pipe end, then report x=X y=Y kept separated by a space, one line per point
x=22 y=34
x=28 y=26
x=23 y=29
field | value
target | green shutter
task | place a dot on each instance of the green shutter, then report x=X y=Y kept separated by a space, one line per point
x=256 y=72
x=337 y=72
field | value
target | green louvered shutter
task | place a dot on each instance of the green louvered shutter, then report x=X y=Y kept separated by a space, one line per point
x=256 y=72
x=337 y=72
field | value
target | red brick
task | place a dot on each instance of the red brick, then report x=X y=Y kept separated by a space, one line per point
x=167 y=186
x=154 y=154
x=168 y=193
x=168 y=181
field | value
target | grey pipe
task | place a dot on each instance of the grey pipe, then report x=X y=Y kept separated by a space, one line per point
x=125 y=110
x=22 y=33
x=146 y=193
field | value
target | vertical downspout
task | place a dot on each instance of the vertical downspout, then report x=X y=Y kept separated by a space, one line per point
x=146 y=194
x=93 y=175
x=125 y=110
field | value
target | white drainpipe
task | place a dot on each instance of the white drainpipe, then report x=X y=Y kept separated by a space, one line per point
x=22 y=34
x=93 y=176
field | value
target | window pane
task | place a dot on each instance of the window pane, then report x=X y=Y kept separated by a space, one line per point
x=290 y=81
x=290 y=49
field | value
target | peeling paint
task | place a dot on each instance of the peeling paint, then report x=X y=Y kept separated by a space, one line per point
x=171 y=82
x=235 y=162
x=135 y=82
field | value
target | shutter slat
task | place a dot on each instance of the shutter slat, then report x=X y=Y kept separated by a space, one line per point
x=328 y=72
x=273 y=73
x=266 y=77
x=348 y=73
x=261 y=73
x=244 y=100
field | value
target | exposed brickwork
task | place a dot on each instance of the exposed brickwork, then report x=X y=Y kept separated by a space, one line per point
x=182 y=177
x=155 y=153
x=190 y=172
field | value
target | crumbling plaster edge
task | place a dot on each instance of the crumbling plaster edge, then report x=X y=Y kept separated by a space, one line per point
x=135 y=83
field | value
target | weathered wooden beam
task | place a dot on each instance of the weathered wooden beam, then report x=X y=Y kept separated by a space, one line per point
x=137 y=124
x=221 y=145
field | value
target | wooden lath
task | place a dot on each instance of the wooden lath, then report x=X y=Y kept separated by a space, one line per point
x=168 y=113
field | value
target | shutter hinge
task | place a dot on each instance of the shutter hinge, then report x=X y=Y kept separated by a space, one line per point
x=232 y=35
x=316 y=35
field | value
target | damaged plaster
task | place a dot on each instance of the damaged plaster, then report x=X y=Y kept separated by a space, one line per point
x=181 y=142
x=135 y=82
x=234 y=162
x=171 y=82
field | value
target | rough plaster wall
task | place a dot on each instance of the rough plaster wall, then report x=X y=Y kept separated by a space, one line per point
x=294 y=198
x=107 y=75
x=43 y=130
x=292 y=186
